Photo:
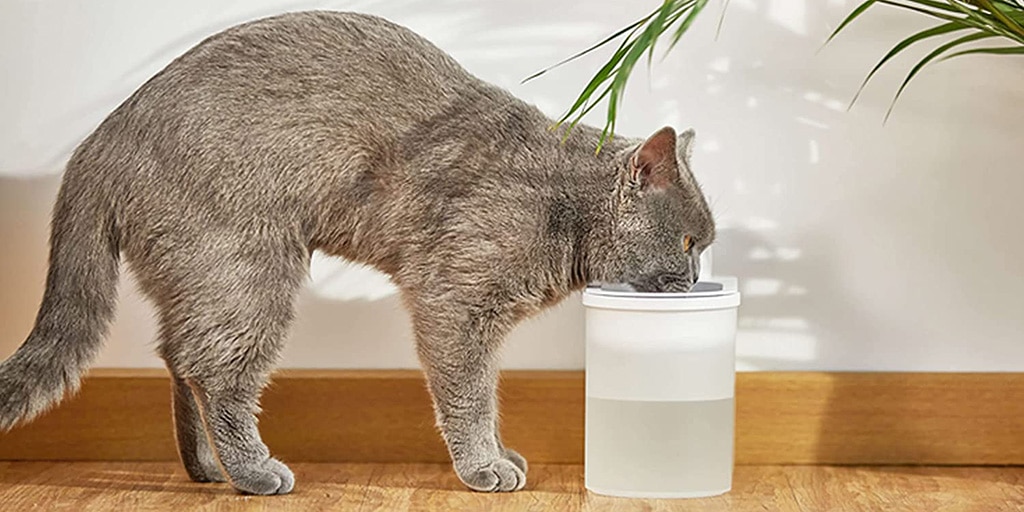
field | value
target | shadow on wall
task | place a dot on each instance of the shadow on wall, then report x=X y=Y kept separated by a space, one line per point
x=795 y=313
x=796 y=316
x=787 y=319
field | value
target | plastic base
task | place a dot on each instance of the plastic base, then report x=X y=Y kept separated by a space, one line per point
x=658 y=495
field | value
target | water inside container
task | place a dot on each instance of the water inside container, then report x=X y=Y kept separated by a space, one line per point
x=705 y=286
x=659 y=449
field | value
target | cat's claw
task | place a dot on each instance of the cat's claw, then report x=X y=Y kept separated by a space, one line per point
x=502 y=475
x=271 y=477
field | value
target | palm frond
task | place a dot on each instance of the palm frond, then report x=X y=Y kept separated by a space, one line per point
x=945 y=28
x=932 y=56
x=981 y=19
x=635 y=40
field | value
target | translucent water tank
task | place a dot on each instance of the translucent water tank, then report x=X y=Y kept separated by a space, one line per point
x=660 y=391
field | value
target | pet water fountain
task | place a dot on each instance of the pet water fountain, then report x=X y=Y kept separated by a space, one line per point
x=661 y=376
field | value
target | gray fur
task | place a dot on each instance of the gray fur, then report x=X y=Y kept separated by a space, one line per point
x=347 y=134
x=190 y=435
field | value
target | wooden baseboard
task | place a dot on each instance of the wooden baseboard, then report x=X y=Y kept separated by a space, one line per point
x=384 y=416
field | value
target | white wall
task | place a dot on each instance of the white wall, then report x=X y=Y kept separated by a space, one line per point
x=858 y=246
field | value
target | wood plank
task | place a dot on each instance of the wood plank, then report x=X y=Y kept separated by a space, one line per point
x=86 y=486
x=880 y=418
x=384 y=416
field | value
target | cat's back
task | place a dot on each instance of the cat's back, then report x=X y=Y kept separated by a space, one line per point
x=315 y=42
x=269 y=107
x=302 y=67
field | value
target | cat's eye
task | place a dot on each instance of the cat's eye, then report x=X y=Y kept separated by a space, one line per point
x=687 y=243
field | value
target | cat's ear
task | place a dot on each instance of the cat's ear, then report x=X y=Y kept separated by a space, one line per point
x=684 y=146
x=653 y=164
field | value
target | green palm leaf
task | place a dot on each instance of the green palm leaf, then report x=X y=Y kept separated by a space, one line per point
x=690 y=18
x=983 y=18
x=1008 y=22
x=573 y=57
x=638 y=38
x=849 y=19
x=1002 y=50
x=945 y=28
x=931 y=56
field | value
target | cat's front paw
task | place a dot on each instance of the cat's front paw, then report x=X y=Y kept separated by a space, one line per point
x=501 y=475
x=520 y=462
x=270 y=477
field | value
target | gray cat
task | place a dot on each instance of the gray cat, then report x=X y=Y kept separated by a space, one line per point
x=351 y=135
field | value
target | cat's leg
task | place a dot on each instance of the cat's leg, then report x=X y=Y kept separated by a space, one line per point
x=228 y=408
x=225 y=368
x=190 y=433
x=458 y=350
x=224 y=325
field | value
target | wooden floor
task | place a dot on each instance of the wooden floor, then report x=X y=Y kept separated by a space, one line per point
x=84 y=486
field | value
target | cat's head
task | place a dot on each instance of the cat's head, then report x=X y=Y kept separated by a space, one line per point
x=660 y=219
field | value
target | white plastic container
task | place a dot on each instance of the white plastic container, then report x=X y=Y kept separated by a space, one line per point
x=661 y=376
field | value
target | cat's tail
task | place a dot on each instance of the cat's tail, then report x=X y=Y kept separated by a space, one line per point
x=77 y=306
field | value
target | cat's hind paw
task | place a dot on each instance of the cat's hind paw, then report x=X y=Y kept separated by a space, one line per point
x=204 y=473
